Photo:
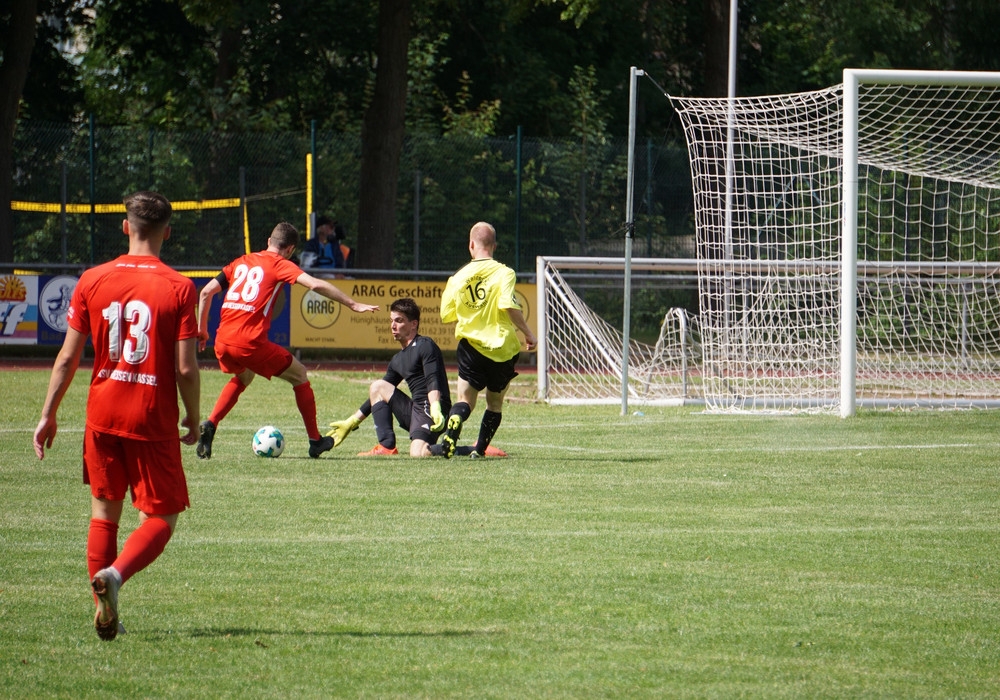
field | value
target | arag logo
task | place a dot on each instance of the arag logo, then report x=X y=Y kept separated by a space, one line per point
x=318 y=311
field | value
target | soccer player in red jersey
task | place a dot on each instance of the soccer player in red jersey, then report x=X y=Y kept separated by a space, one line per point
x=140 y=314
x=241 y=343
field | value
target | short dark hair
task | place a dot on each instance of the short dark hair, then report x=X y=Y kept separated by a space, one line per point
x=324 y=221
x=148 y=209
x=407 y=307
x=284 y=235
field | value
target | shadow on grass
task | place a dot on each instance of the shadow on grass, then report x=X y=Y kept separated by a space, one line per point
x=592 y=458
x=257 y=633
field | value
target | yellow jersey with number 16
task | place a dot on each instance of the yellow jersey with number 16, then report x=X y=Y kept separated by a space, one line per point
x=476 y=299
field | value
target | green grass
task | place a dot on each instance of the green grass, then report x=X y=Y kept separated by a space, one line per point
x=672 y=554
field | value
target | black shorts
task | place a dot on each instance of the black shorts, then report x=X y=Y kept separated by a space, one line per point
x=412 y=416
x=481 y=372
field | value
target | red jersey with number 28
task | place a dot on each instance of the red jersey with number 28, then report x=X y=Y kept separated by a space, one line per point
x=254 y=283
x=135 y=308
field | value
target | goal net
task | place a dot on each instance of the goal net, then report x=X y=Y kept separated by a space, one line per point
x=580 y=351
x=879 y=287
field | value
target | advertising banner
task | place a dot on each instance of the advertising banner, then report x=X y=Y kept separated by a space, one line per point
x=318 y=322
x=33 y=310
x=29 y=316
x=18 y=309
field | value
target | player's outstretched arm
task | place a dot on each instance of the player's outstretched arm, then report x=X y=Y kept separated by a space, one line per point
x=204 y=305
x=343 y=428
x=330 y=292
x=63 y=371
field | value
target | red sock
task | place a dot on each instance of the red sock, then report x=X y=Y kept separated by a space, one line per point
x=102 y=545
x=142 y=547
x=305 y=399
x=227 y=400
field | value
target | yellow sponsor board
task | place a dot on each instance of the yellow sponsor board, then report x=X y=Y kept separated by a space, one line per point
x=317 y=322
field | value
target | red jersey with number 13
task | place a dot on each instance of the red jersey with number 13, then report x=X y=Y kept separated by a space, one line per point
x=135 y=308
x=254 y=283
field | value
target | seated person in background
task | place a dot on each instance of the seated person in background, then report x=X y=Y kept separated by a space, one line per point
x=324 y=246
x=421 y=364
x=345 y=250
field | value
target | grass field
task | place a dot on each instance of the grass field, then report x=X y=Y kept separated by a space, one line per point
x=671 y=554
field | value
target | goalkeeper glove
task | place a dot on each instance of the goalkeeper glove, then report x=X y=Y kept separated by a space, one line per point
x=342 y=428
x=437 y=417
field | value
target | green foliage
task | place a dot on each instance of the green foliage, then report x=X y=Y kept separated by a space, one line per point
x=555 y=68
x=795 y=45
x=221 y=64
x=227 y=65
x=572 y=193
x=425 y=100
x=463 y=120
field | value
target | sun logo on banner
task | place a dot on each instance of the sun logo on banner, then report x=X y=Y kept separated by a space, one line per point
x=12 y=289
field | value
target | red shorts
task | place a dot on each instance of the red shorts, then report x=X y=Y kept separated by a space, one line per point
x=267 y=359
x=151 y=470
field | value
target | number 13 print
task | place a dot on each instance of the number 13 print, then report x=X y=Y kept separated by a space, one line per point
x=136 y=318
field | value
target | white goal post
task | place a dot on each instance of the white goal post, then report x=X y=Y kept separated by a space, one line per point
x=848 y=243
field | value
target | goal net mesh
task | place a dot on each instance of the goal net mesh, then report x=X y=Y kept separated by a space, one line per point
x=583 y=351
x=767 y=177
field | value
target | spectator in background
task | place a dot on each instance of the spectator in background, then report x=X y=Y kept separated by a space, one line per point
x=323 y=250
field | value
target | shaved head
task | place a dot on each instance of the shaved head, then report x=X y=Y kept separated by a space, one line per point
x=482 y=240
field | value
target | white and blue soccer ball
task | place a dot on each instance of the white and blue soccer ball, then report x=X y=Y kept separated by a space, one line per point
x=268 y=442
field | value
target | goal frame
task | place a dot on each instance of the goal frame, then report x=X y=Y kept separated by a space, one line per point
x=853 y=79
x=849 y=344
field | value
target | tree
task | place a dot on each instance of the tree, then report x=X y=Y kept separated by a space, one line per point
x=716 y=48
x=382 y=138
x=17 y=35
x=230 y=65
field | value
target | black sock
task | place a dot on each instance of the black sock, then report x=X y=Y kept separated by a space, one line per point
x=383 y=425
x=487 y=429
x=463 y=411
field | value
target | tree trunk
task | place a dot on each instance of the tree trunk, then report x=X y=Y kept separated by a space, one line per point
x=716 y=48
x=382 y=139
x=13 y=73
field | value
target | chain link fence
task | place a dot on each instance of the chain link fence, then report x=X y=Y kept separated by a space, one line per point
x=544 y=197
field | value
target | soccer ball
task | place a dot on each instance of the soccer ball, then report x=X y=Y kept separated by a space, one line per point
x=268 y=442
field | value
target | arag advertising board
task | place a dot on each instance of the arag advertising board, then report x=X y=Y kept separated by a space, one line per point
x=317 y=322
